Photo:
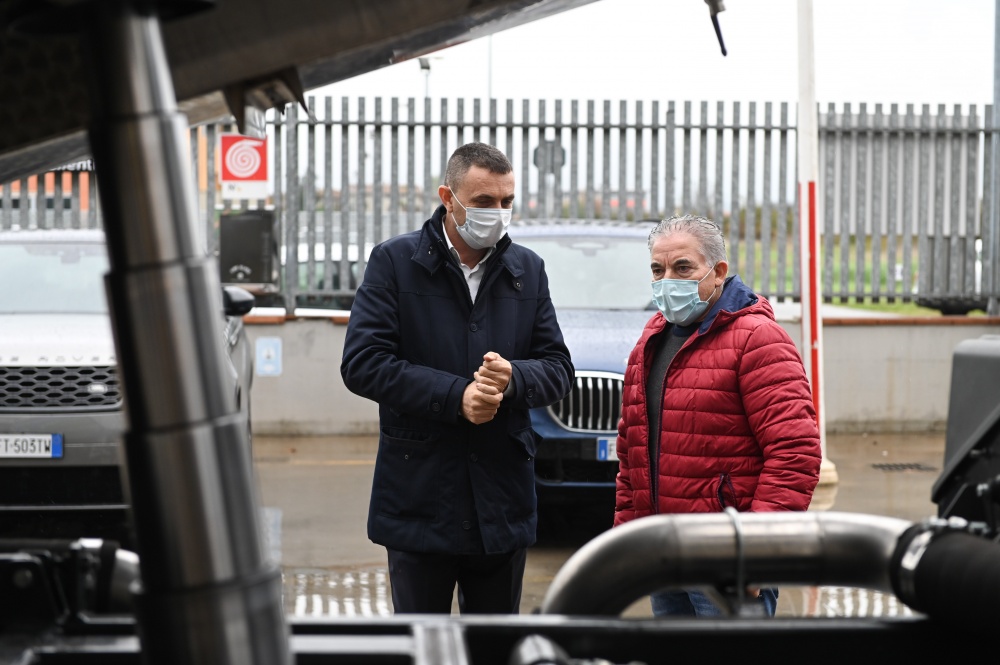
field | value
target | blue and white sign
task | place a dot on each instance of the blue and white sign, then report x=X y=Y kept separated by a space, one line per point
x=268 y=361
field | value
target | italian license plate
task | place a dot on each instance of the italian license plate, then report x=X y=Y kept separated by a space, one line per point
x=31 y=445
x=606 y=449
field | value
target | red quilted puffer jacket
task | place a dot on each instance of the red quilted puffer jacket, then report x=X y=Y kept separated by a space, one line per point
x=738 y=426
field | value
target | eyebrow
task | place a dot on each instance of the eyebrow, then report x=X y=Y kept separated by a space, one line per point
x=486 y=198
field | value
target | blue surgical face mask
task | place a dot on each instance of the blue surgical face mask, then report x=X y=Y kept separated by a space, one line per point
x=483 y=226
x=679 y=301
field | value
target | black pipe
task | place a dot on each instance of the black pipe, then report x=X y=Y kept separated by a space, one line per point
x=948 y=573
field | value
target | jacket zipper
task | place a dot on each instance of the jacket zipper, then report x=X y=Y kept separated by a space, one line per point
x=654 y=454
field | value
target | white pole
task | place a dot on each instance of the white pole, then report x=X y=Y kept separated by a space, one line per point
x=991 y=253
x=808 y=144
x=489 y=68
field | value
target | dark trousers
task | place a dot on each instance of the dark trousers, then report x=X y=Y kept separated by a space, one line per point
x=425 y=583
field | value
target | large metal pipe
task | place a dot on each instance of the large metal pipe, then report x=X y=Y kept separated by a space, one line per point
x=209 y=594
x=724 y=550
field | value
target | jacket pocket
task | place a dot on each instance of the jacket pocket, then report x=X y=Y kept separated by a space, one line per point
x=407 y=475
x=514 y=482
x=528 y=440
x=725 y=492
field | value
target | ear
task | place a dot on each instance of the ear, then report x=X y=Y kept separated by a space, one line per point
x=721 y=272
x=444 y=193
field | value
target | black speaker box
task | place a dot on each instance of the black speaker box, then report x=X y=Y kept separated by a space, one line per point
x=969 y=485
x=248 y=249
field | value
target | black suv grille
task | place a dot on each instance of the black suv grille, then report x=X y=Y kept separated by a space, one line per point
x=60 y=486
x=593 y=405
x=58 y=387
x=64 y=503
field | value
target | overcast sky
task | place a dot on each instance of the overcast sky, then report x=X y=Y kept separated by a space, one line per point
x=873 y=51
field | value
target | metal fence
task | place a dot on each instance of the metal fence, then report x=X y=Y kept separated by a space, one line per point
x=902 y=194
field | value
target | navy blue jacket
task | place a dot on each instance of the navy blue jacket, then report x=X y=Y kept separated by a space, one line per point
x=414 y=340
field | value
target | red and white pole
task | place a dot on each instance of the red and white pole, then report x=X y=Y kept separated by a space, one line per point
x=808 y=144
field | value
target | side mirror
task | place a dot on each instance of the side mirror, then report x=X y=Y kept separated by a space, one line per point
x=236 y=301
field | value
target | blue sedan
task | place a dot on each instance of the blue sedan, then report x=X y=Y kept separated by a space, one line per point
x=600 y=284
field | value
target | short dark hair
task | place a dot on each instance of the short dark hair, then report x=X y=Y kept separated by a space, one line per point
x=482 y=155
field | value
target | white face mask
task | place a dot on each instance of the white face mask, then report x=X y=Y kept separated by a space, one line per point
x=483 y=226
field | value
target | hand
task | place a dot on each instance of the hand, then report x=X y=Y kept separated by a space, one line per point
x=480 y=402
x=495 y=371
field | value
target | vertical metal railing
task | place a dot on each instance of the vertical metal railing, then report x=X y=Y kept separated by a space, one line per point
x=902 y=191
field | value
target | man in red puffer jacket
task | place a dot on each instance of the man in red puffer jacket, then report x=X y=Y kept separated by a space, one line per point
x=716 y=408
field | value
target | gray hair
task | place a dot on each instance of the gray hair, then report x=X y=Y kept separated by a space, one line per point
x=705 y=231
x=482 y=155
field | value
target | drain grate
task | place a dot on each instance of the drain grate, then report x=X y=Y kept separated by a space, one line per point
x=905 y=466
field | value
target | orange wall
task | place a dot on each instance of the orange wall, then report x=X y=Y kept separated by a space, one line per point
x=49 y=183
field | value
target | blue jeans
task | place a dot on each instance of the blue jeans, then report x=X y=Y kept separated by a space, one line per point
x=695 y=603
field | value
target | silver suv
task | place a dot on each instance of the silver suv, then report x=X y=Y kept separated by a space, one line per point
x=61 y=411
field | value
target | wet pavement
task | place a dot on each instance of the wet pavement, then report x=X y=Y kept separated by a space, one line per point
x=315 y=491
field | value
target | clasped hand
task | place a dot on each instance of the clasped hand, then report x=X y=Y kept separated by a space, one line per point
x=482 y=397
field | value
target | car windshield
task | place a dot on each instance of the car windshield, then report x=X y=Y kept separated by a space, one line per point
x=594 y=272
x=53 y=277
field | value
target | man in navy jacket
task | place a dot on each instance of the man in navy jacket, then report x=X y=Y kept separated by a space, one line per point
x=453 y=333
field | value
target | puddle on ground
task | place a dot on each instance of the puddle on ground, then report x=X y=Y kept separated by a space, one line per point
x=365 y=593
x=323 y=593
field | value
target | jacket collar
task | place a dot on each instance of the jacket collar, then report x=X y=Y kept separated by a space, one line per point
x=737 y=299
x=432 y=249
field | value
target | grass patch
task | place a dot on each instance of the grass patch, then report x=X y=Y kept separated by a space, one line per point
x=894 y=308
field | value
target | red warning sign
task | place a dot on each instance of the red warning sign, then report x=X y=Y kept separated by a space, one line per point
x=244 y=167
